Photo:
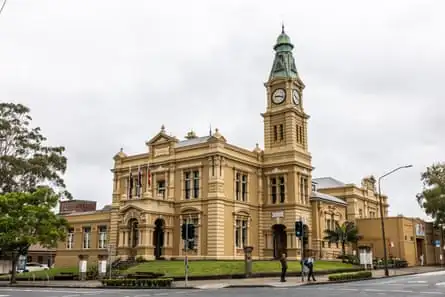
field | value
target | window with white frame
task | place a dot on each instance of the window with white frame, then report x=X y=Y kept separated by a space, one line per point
x=241 y=233
x=191 y=184
x=102 y=237
x=161 y=188
x=70 y=239
x=87 y=237
x=241 y=186
x=278 y=189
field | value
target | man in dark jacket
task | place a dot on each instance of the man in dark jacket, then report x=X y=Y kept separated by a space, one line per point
x=309 y=262
x=283 y=261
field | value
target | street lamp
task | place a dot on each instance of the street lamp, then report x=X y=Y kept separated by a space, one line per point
x=382 y=221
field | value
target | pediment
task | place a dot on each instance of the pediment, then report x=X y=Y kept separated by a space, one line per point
x=130 y=207
x=161 y=138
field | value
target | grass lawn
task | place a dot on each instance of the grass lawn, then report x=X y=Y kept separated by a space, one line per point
x=198 y=268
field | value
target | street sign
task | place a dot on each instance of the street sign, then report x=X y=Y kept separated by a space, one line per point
x=437 y=243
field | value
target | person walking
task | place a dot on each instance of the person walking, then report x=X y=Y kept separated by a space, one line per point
x=310 y=265
x=283 y=261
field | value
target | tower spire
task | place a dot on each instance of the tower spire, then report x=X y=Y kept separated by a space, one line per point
x=284 y=62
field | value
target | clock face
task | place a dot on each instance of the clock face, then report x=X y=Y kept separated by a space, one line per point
x=295 y=97
x=278 y=96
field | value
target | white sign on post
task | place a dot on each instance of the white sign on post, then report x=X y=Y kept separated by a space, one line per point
x=82 y=266
x=103 y=266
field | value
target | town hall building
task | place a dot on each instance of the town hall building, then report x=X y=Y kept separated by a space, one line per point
x=235 y=197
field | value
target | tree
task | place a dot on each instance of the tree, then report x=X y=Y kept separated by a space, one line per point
x=28 y=219
x=31 y=185
x=432 y=198
x=25 y=161
x=345 y=233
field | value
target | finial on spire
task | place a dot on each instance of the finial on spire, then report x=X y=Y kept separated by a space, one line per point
x=122 y=150
x=282 y=27
x=162 y=128
x=210 y=129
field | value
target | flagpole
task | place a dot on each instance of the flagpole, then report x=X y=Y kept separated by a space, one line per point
x=129 y=183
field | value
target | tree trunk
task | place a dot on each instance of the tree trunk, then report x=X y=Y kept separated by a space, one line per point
x=343 y=252
x=14 y=260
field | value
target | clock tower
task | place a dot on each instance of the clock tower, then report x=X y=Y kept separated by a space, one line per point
x=285 y=122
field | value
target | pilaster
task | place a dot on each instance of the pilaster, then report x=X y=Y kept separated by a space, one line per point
x=216 y=208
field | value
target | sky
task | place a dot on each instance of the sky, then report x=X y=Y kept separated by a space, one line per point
x=104 y=74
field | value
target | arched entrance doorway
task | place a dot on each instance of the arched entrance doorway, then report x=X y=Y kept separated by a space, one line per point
x=279 y=240
x=158 y=238
x=133 y=238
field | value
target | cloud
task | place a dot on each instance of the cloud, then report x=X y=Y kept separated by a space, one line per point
x=102 y=75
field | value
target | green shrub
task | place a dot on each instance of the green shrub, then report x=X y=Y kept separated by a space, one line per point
x=139 y=283
x=350 y=275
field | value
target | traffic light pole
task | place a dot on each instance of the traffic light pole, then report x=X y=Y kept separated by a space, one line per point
x=302 y=254
x=186 y=262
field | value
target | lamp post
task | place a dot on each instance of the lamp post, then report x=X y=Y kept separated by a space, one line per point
x=382 y=221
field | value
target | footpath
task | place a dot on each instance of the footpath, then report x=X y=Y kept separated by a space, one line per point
x=228 y=283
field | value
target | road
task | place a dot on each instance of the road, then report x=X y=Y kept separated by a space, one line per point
x=422 y=285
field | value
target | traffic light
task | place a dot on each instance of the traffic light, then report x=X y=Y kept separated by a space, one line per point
x=299 y=229
x=184 y=231
x=191 y=231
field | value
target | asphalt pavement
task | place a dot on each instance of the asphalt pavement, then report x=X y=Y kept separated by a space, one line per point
x=421 y=285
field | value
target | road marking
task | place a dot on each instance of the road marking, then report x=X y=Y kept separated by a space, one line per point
x=4 y=295
x=440 y=284
x=432 y=293
x=161 y=294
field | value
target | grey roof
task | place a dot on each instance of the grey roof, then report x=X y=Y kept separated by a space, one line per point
x=326 y=197
x=193 y=141
x=327 y=182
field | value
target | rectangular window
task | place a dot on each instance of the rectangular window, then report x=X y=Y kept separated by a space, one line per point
x=70 y=239
x=301 y=134
x=273 y=189
x=304 y=196
x=241 y=233
x=360 y=213
x=282 y=189
x=275 y=133
x=244 y=187
x=87 y=237
x=195 y=184
x=161 y=188
x=187 y=185
x=238 y=186
x=194 y=221
x=102 y=237
x=281 y=132
x=297 y=133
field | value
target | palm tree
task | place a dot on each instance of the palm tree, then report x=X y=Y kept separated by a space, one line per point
x=345 y=233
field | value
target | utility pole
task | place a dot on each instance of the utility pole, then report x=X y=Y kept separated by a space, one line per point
x=186 y=262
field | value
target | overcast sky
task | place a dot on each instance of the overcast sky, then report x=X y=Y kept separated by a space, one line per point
x=104 y=74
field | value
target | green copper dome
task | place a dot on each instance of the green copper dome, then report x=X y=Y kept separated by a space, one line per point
x=284 y=62
x=283 y=42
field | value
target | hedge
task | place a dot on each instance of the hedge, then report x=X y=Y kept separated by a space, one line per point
x=138 y=283
x=350 y=276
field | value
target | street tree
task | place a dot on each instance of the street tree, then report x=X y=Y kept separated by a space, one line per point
x=344 y=234
x=31 y=184
x=26 y=161
x=27 y=219
x=432 y=198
